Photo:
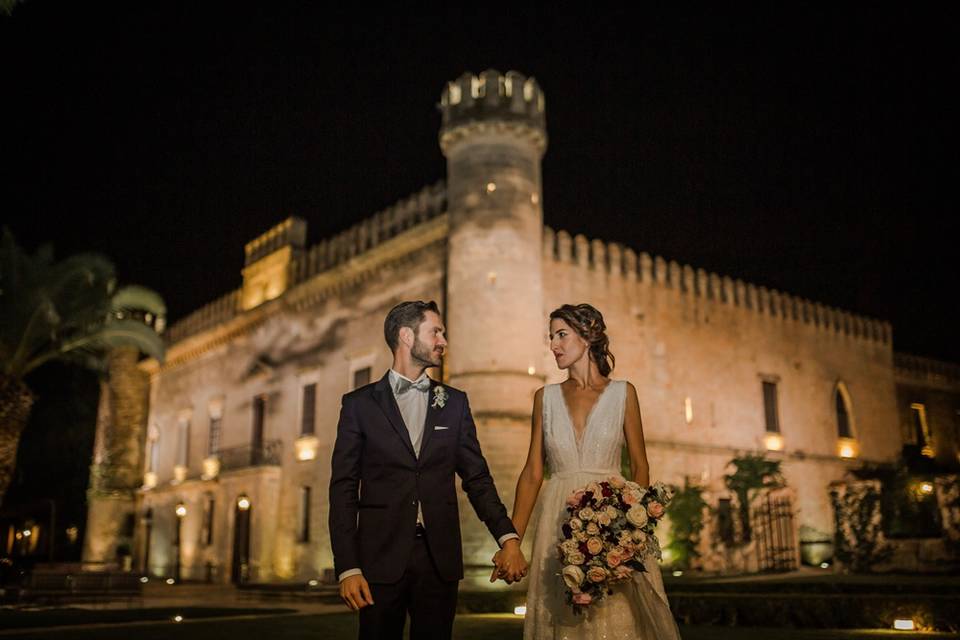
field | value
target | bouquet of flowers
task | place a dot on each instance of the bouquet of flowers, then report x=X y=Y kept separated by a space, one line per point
x=607 y=535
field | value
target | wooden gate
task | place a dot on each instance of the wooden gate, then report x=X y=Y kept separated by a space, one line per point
x=775 y=533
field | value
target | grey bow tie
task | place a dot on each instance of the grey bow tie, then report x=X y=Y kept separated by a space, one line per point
x=420 y=384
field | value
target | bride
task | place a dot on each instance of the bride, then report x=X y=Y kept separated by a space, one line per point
x=579 y=428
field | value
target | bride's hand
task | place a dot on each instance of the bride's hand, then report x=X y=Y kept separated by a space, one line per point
x=497 y=571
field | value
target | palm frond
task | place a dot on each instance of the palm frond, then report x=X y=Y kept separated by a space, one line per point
x=135 y=297
x=115 y=333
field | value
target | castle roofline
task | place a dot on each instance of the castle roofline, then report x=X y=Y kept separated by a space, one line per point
x=656 y=271
x=427 y=203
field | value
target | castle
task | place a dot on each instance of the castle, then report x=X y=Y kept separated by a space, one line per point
x=215 y=464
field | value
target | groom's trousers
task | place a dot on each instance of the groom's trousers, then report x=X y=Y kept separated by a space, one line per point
x=430 y=601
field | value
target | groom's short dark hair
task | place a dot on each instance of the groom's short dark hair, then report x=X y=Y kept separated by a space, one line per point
x=406 y=314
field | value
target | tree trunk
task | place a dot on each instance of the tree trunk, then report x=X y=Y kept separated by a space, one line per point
x=16 y=400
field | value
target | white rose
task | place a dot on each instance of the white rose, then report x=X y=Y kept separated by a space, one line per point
x=637 y=516
x=573 y=576
x=580 y=535
x=568 y=546
x=603 y=520
x=576 y=524
x=593 y=529
x=611 y=512
x=586 y=514
x=575 y=557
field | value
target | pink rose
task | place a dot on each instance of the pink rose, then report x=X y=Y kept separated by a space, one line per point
x=613 y=559
x=617 y=482
x=655 y=509
x=596 y=574
x=594 y=546
x=582 y=598
x=622 y=572
x=629 y=498
x=574 y=499
x=603 y=519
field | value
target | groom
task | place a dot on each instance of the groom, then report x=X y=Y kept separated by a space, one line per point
x=394 y=524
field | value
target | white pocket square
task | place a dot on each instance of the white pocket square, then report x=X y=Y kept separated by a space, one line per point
x=440 y=428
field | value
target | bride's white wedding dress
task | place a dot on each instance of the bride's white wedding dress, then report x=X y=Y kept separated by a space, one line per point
x=638 y=608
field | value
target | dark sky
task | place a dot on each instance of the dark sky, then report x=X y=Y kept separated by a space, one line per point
x=806 y=150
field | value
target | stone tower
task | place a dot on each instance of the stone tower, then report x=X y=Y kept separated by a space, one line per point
x=117 y=469
x=493 y=135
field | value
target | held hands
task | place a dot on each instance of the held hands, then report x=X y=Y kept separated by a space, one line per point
x=355 y=592
x=509 y=563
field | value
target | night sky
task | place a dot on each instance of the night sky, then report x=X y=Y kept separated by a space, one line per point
x=806 y=150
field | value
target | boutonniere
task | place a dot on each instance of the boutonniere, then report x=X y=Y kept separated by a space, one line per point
x=439 y=396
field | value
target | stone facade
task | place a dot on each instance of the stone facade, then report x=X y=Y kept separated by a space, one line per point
x=226 y=418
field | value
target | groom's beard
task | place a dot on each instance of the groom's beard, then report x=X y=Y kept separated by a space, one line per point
x=423 y=355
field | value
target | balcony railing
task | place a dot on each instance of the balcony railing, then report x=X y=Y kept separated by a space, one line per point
x=267 y=454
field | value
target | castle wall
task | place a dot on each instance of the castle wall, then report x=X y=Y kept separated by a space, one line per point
x=679 y=334
x=306 y=337
x=687 y=339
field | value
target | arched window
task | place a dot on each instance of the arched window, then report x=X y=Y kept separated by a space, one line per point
x=844 y=410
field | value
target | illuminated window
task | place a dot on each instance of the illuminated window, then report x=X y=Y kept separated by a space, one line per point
x=770 y=406
x=360 y=370
x=361 y=377
x=309 y=410
x=454 y=90
x=153 y=448
x=206 y=533
x=183 y=441
x=213 y=444
x=303 y=526
x=921 y=429
x=844 y=409
x=256 y=440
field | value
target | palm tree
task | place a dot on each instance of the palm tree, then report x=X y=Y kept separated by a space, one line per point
x=70 y=311
x=753 y=473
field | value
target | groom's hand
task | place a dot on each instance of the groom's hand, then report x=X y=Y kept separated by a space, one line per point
x=511 y=565
x=355 y=592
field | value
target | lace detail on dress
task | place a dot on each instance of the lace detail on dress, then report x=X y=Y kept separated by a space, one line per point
x=638 y=609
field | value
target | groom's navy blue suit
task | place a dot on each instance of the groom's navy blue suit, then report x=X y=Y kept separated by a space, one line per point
x=377 y=480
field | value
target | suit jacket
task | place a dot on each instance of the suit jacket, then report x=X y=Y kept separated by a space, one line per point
x=376 y=481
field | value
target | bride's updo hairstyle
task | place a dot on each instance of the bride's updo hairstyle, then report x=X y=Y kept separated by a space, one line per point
x=589 y=325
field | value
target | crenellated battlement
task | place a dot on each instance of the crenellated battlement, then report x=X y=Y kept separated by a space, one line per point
x=419 y=207
x=614 y=259
x=291 y=232
x=920 y=370
x=415 y=209
x=508 y=101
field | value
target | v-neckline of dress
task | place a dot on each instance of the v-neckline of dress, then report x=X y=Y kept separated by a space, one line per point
x=586 y=425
